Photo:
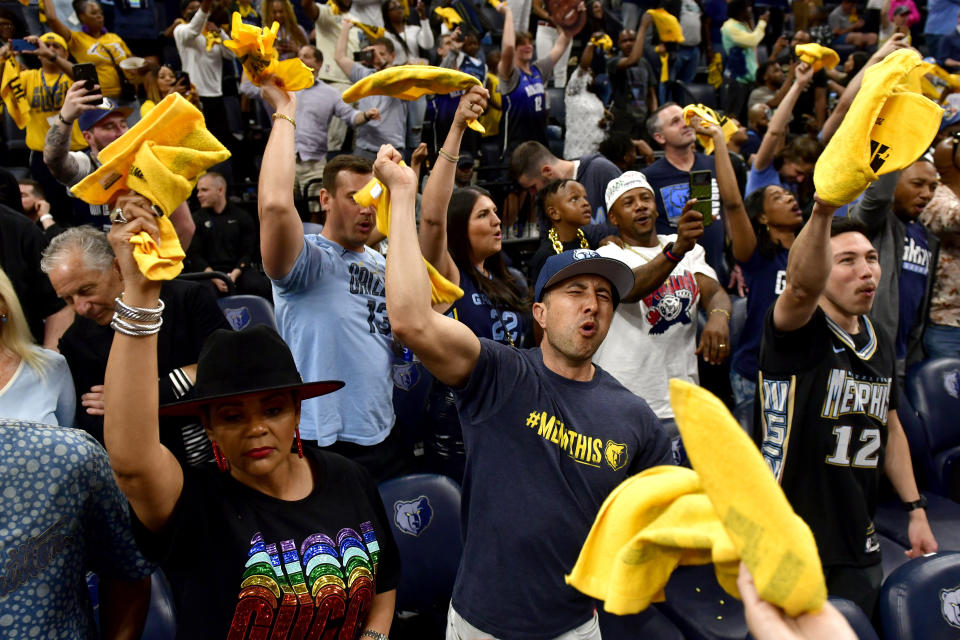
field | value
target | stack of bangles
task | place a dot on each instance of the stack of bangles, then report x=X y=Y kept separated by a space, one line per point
x=136 y=321
x=449 y=156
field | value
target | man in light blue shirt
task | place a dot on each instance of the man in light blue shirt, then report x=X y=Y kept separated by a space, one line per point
x=330 y=302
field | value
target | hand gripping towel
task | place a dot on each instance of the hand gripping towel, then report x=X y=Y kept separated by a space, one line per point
x=728 y=508
x=410 y=81
x=161 y=157
x=889 y=125
x=253 y=46
x=728 y=126
x=375 y=193
x=817 y=56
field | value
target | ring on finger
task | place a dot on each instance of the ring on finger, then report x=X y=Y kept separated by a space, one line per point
x=116 y=216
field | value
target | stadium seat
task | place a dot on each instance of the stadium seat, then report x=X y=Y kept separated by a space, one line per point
x=242 y=311
x=424 y=513
x=856 y=617
x=892 y=554
x=520 y=278
x=700 y=608
x=161 y=620
x=311 y=228
x=699 y=93
x=738 y=317
x=921 y=599
x=557 y=105
x=933 y=389
x=944 y=516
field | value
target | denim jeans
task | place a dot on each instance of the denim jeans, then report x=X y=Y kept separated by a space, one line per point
x=941 y=341
x=688 y=58
x=744 y=394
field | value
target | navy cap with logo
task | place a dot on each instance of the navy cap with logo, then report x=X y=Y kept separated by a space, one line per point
x=88 y=119
x=577 y=262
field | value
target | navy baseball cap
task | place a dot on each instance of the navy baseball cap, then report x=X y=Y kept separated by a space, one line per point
x=89 y=118
x=577 y=262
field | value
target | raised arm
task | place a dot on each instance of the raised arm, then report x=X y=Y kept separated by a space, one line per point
x=446 y=346
x=56 y=148
x=808 y=268
x=776 y=133
x=146 y=471
x=439 y=188
x=55 y=23
x=310 y=9
x=749 y=39
x=508 y=42
x=340 y=53
x=637 y=51
x=281 y=230
x=563 y=41
x=43 y=51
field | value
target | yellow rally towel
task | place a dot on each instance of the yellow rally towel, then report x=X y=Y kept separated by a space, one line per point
x=889 y=125
x=667 y=25
x=935 y=81
x=372 y=32
x=664 y=63
x=715 y=71
x=449 y=16
x=160 y=158
x=410 y=81
x=213 y=39
x=817 y=56
x=728 y=508
x=253 y=46
x=728 y=126
x=41 y=10
x=334 y=7
x=375 y=193
x=495 y=3
x=603 y=42
x=13 y=95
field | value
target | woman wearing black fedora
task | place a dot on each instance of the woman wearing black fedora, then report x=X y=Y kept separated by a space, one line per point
x=271 y=542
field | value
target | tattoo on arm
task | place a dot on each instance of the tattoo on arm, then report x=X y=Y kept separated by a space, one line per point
x=56 y=154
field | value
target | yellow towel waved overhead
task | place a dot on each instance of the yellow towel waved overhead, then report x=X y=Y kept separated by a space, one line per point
x=160 y=158
x=375 y=193
x=935 y=81
x=889 y=125
x=13 y=94
x=449 y=16
x=667 y=25
x=817 y=56
x=728 y=126
x=372 y=32
x=602 y=42
x=728 y=508
x=253 y=46
x=410 y=81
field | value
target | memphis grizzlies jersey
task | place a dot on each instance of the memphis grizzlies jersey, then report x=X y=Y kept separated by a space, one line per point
x=824 y=396
x=525 y=110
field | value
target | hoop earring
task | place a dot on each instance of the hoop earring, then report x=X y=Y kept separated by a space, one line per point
x=222 y=463
x=296 y=433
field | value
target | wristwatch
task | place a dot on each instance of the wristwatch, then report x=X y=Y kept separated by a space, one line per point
x=916 y=504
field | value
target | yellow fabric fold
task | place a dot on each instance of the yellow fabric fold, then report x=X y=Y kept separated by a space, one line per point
x=664 y=66
x=13 y=95
x=715 y=71
x=372 y=32
x=817 y=56
x=935 y=80
x=495 y=3
x=334 y=7
x=375 y=193
x=728 y=508
x=160 y=158
x=889 y=125
x=449 y=16
x=253 y=46
x=213 y=39
x=728 y=126
x=667 y=25
x=163 y=261
x=410 y=81
x=603 y=42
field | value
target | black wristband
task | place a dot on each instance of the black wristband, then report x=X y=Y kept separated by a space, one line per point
x=60 y=118
x=668 y=254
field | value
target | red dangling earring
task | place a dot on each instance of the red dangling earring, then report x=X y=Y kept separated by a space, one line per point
x=222 y=463
x=296 y=433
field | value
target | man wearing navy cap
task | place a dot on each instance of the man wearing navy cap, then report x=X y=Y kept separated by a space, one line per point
x=548 y=434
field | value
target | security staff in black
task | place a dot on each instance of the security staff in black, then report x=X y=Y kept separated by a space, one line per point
x=827 y=397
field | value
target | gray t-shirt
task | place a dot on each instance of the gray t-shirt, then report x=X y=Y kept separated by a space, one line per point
x=838 y=19
x=391 y=128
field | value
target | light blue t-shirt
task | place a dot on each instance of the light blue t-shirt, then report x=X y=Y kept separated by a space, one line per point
x=61 y=515
x=48 y=398
x=332 y=313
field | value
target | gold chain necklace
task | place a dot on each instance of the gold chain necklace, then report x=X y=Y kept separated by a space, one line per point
x=552 y=234
x=645 y=258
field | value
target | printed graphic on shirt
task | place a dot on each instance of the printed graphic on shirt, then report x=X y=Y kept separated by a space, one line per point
x=325 y=587
x=48 y=98
x=674 y=196
x=781 y=282
x=26 y=561
x=370 y=284
x=777 y=397
x=915 y=257
x=589 y=450
x=670 y=304
x=105 y=49
x=851 y=394
x=412 y=517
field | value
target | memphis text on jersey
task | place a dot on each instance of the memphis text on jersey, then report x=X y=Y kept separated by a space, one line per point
x=849 y=394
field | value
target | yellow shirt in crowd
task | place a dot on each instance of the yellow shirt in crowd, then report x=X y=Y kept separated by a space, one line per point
x=86 y=48
x=45 y=93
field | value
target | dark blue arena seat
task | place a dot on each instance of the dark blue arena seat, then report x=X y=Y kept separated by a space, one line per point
x=933 y=389
x=242 y=311
x=700 y=608
x=921 y=599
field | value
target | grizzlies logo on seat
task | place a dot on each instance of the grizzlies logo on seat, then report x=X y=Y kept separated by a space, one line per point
x=950 y=606
x=412 y=517
x=238 y=318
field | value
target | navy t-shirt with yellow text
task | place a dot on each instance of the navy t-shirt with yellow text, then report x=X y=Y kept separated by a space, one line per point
x=543 y=452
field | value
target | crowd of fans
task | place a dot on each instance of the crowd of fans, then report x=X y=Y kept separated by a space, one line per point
x=596 y=130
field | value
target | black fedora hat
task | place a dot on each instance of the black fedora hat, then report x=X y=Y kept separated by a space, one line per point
x=239 y=363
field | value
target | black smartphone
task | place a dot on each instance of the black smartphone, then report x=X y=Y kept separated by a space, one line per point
x=364 y=57
x=701 y=188
x=18 y=44
x=185 y=77
x=86 y=72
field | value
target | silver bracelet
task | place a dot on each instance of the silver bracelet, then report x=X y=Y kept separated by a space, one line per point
x=376 y=635
x=120 y=325
x=137 y=314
